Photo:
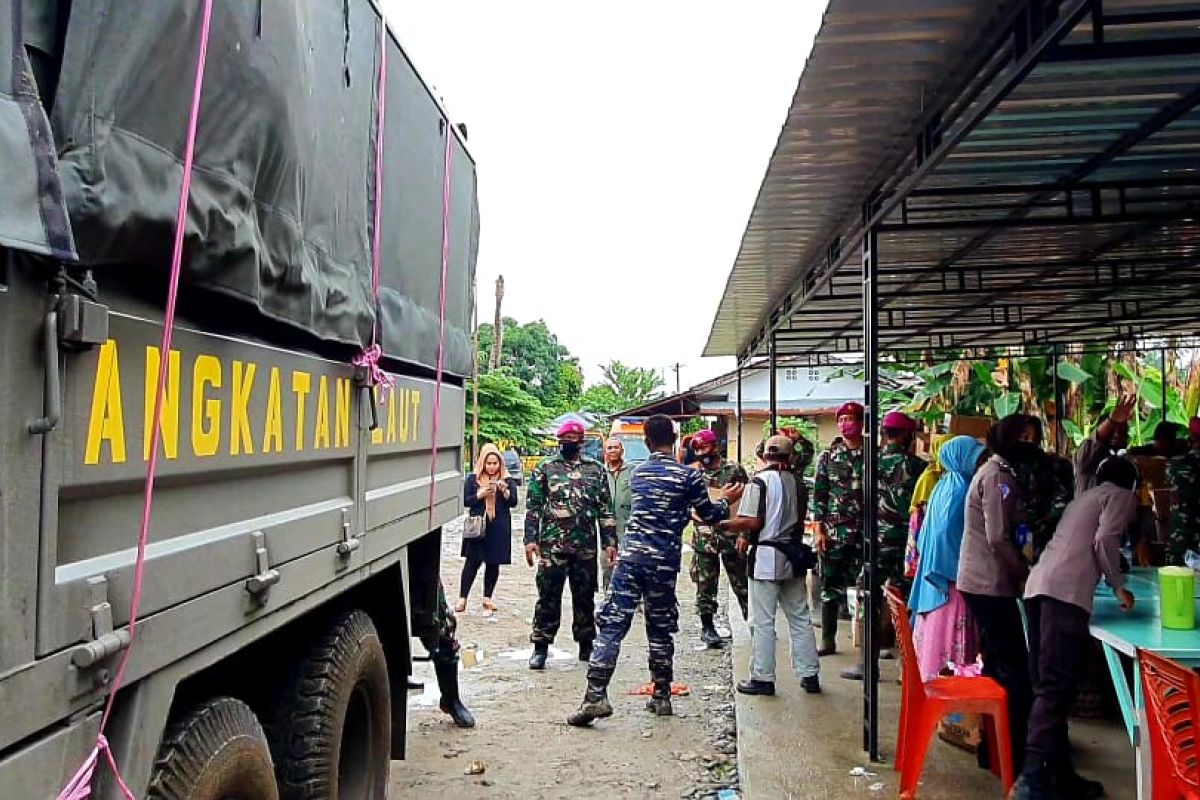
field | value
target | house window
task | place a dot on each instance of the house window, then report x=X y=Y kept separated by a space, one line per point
x=791 y=374
x=814 y=374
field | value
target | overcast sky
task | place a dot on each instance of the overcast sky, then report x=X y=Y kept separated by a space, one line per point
x=620 y=147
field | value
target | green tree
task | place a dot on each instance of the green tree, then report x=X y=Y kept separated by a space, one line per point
x=534 y=356
x=632 y=386
x=508 y=414
x=600 y=399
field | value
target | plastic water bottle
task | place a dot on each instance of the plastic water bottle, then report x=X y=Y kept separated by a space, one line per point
x=727 y=794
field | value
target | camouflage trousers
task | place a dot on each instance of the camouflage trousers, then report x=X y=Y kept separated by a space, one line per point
x=706 y=574
x=437 y=633
x=554 y=571
x=654 y=586
x=840 y=565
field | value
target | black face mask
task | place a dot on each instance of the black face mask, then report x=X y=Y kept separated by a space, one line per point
x=1026 y=452
x=709 y=460
x=570 y=450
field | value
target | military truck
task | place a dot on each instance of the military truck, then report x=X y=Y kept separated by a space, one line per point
x=295 y=537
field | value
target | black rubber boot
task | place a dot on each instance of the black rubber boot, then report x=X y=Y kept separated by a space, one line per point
x=585 y=651
x=708 y=632
x=451 y=703
x=659 y=703
x=595 y=703
x=541 y=651
x=1036 y=785
x=829 y=626
x=811 y=684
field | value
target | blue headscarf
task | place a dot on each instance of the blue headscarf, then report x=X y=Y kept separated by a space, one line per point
x=940 y=539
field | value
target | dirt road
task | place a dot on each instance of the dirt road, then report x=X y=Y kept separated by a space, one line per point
x=522 y=739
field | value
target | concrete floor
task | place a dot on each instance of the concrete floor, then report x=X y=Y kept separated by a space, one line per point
x=798 y=746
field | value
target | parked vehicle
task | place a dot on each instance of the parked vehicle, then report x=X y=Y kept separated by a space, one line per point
x=295 y=537
x=512 y=462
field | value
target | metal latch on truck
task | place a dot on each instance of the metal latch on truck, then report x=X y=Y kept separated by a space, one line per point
x=105 y=641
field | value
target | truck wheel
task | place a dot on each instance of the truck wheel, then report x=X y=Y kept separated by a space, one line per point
x=216 y=752
x=331 y=733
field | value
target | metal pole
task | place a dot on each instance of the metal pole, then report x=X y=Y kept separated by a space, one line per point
x=870 y=532
x=774 y=410
x=1165 y=410
x=739 y=412
x=1059 y=403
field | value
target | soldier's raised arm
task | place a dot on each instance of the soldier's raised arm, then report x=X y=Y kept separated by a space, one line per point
x=697 y=496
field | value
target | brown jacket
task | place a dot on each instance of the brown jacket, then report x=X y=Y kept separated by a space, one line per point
x=990 y=563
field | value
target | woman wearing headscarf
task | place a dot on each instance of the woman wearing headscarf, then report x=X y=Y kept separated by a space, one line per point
x=944 y=632
x=489 y=493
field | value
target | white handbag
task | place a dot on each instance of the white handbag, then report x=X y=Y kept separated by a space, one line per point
x=474 y=527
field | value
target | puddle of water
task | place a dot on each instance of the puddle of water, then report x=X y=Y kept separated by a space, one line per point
x=556 y=654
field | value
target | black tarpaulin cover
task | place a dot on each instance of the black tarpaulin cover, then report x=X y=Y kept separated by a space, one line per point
x=281 y=210
x=32 y=213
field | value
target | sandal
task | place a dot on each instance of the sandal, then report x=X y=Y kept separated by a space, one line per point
x=488 y=605
x=460 y=606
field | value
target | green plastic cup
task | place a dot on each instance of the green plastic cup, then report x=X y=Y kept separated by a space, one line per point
x=1177 y=598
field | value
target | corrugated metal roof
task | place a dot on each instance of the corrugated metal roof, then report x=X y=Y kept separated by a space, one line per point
x=1064 y=212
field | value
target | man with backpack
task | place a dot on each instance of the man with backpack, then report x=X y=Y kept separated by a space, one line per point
x=770 y=526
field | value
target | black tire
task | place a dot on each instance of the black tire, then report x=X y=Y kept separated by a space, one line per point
x=218 y=751
x=331 y=731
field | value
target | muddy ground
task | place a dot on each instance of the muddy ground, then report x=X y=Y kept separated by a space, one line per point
x=522 y=740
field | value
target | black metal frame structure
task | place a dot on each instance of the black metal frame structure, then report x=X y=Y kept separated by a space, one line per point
x=1043 y=193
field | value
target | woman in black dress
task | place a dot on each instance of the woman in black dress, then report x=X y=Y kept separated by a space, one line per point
x=488 y=493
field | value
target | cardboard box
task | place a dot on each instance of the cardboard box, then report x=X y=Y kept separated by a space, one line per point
x=978 y=427
x=964 y=731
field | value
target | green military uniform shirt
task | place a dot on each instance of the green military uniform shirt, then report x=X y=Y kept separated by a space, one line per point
x=566 y=503
x=1184 y=477
x=1048 y=486
x=622 y=494
x=838 y=492
x=708 y=539
x=898 y=473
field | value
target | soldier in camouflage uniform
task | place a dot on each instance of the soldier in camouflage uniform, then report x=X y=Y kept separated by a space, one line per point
x=665 y=493
x=712 y=547
x=436 y=627
x=837 y=511
x=898 y=469
x=1184 y=478
x=1047 y=482
x=568 y=499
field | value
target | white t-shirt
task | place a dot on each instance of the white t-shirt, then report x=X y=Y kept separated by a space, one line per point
x=781 y=516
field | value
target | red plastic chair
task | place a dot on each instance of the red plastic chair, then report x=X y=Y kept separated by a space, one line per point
x=923 y=705
x=1172 y=693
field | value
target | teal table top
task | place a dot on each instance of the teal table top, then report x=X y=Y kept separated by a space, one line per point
x=1141 y=627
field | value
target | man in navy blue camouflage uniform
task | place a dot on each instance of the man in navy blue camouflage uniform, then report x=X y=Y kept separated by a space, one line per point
x=664 y=494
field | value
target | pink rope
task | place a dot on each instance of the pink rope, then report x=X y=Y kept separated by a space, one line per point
x=448 y=161
x=80 y=785
x=369 y=358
